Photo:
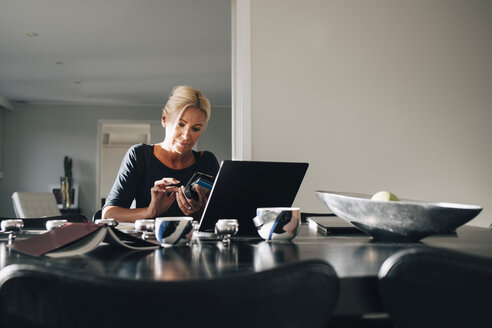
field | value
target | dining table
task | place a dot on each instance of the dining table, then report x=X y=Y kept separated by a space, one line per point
x=355 y=257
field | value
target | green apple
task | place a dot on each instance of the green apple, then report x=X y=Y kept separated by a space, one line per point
x=384 y=196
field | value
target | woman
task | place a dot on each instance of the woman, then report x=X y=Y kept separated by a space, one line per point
x=155 y=175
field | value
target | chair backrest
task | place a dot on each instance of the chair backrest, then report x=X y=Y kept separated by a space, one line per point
x=433 y=287
x=97 y=215
x=302 y=294
x=34 y=204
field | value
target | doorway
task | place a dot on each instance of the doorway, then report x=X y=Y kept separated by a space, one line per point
x=114 y=140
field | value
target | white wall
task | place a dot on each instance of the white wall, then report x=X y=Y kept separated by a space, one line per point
x=217 y=136
x=2 y=138
x=376 y=95
x=37 y=137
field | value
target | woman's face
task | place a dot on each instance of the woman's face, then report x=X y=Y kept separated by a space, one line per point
x=182 y=133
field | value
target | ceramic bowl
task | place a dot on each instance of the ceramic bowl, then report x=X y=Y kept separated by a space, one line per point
x=403 y=220
x=173 y=230
x=277 y=223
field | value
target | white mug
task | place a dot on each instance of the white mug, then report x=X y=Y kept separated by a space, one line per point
x=173 y=230
x=277 y=223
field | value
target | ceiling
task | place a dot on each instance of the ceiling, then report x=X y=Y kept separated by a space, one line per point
x=120 y=52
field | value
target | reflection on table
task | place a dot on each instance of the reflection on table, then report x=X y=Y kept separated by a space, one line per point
x=355 y=257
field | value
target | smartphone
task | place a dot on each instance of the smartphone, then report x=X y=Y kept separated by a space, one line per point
x=201 y=179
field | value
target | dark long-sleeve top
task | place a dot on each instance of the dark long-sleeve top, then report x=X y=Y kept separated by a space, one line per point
x=140 y=169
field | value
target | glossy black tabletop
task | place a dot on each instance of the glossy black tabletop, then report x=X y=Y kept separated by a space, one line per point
x=355 y=257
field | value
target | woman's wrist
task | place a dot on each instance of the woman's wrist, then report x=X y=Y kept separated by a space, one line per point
x=122 y=214
x=151 y=212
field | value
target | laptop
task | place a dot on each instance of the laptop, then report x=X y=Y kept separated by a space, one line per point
x=241 y=187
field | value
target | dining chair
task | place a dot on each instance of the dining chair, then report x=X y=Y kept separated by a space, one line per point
x=301 y=294
x=97 y=215
x=431 y=287
x=34 y=204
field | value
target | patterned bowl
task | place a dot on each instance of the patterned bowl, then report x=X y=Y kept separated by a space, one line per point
x=173 y=230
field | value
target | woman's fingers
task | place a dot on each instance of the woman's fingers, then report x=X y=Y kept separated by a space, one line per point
x=166 y=182
x=171 y=189
x=190 y=206
x=202 y=194
x=167 y=185
x=172 y=197
x=183 y=200
x=170 y=181
x=186 y=205
x=164 y=189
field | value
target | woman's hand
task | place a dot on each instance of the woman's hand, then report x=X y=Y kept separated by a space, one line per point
x=190 y=206
x=162 y=195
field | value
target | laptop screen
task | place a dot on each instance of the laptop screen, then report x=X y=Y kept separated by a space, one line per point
x=242 y=186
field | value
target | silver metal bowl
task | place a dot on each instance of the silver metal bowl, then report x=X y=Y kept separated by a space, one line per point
x=12 y=225
x=145 y=225
x=403 y=220
x=53 y=224
x=109 y=222
x=226 y=228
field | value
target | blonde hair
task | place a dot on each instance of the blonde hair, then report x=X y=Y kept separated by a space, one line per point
x=183 y=97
